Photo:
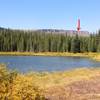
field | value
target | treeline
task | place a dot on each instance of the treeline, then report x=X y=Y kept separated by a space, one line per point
x=29 y=41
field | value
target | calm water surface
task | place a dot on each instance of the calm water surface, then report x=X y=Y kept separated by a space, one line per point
x=44 y=63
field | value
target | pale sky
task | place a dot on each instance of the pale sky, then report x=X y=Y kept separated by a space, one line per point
x=44 y=14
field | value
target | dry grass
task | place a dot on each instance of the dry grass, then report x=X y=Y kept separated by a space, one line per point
x=77 y=84
x=95 y=56
x=79 y=90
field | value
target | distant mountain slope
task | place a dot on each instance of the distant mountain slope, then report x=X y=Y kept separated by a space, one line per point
x=54 y=31
x=1 y=28
x=68 y=32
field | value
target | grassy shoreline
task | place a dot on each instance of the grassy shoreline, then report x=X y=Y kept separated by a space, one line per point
x=95 y=56
x=49 y=86
x=64 y=85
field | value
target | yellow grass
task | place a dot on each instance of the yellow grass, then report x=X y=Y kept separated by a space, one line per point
x=46 y=80
x=55 y=85
x=17 y=86
x=95 y=56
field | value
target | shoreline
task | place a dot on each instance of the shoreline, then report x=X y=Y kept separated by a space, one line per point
x=50 y=85
x=64 y=84
x=94 y=56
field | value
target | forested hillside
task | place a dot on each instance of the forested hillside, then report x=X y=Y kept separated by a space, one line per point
x=31 y=41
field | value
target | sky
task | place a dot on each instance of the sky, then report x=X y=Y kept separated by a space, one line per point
x=50 y=14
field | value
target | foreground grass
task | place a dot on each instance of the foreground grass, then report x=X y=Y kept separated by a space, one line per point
x=77 y=84
x=95 y=56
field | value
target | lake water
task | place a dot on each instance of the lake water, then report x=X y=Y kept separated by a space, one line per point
x=45 y=63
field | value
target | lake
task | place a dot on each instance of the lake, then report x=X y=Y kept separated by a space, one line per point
x=46 y=63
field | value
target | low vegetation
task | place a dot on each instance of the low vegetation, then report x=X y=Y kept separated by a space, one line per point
x=15 y=86
x=49 y=86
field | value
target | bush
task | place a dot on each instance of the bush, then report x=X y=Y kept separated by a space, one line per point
x=15 y=86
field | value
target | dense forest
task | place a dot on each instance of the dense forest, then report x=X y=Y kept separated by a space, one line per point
x=31 y=41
